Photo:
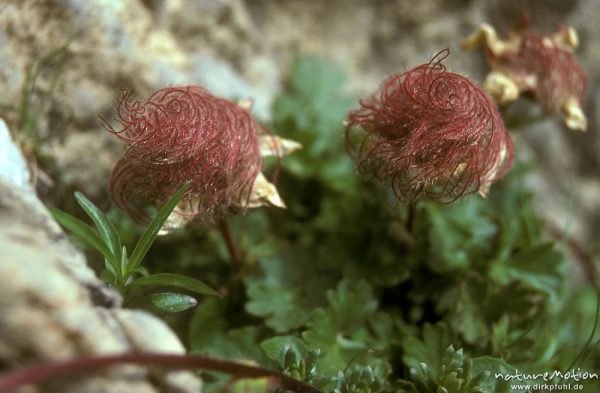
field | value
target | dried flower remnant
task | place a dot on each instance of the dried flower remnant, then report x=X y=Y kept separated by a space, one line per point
x=185 y=134
x=543 y=65
x=430 y=132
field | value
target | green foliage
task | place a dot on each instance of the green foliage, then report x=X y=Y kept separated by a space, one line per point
x=285 y=294
x=435 y=366
x=125 y=272
x=454 y=375
x=311 y=112
x=343 y=292
x=172 y=302
x=351 y=291
x=358 y=380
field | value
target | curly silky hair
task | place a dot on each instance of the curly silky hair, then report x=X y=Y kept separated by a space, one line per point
x=184 y=134
x=430 y=132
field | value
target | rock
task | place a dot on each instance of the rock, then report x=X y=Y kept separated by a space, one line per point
x=13 y=167
x=110 y=45
x=53 y=307
x=85 y=160
x=12 y=71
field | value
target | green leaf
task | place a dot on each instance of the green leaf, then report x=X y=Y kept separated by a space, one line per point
x=491 y=366
x=275 y=345
x=110 y=274
x=85 y=232
x=428 y=350
x=106 y=229
x=210 y=332
x=124 y=262
x=539 y=268
x=323 y=334
x=352 y=303
x=341 y=330
x=466 y=305
x=175 y=280
x=285 y=290
x=172 y=302
x=152 y=230
x=459 y=234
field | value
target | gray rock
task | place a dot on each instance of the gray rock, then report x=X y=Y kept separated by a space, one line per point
x=13 y=167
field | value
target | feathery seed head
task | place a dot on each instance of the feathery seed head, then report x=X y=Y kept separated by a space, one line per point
x=433 y=133
x=542 y=65
x=184 y=134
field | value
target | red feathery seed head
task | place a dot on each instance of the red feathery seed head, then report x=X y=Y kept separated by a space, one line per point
x=546 y=68
x=184 y=134
x=431 y=132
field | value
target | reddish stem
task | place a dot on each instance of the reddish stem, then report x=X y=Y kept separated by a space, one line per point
x=586 y=260
x=34 y=375
x=231 y=246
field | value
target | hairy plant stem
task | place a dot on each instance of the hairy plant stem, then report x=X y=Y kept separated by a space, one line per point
x=13 y=380
x=234 y=255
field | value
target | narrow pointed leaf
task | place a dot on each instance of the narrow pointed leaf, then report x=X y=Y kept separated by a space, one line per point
x=106 y=229
x=150 y=233
x=123 y=264
x=85 y=232
x=175 y=280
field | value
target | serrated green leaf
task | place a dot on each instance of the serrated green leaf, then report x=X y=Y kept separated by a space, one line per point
x=107 y=231
x=429 y=349
x=340 y=330
x=489 y=366
x=172 y=302
x=85 y=232
x=175 y=280
x=458 y=234
x=467 y=304
x=284 y=290
x=153 y=228
x=539 y=268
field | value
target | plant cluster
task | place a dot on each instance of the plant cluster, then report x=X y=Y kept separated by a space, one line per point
x=349 y=290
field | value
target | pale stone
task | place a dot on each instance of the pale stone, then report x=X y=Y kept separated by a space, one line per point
x=13 y=167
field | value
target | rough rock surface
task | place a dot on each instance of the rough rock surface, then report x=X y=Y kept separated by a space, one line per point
x=47 y=287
